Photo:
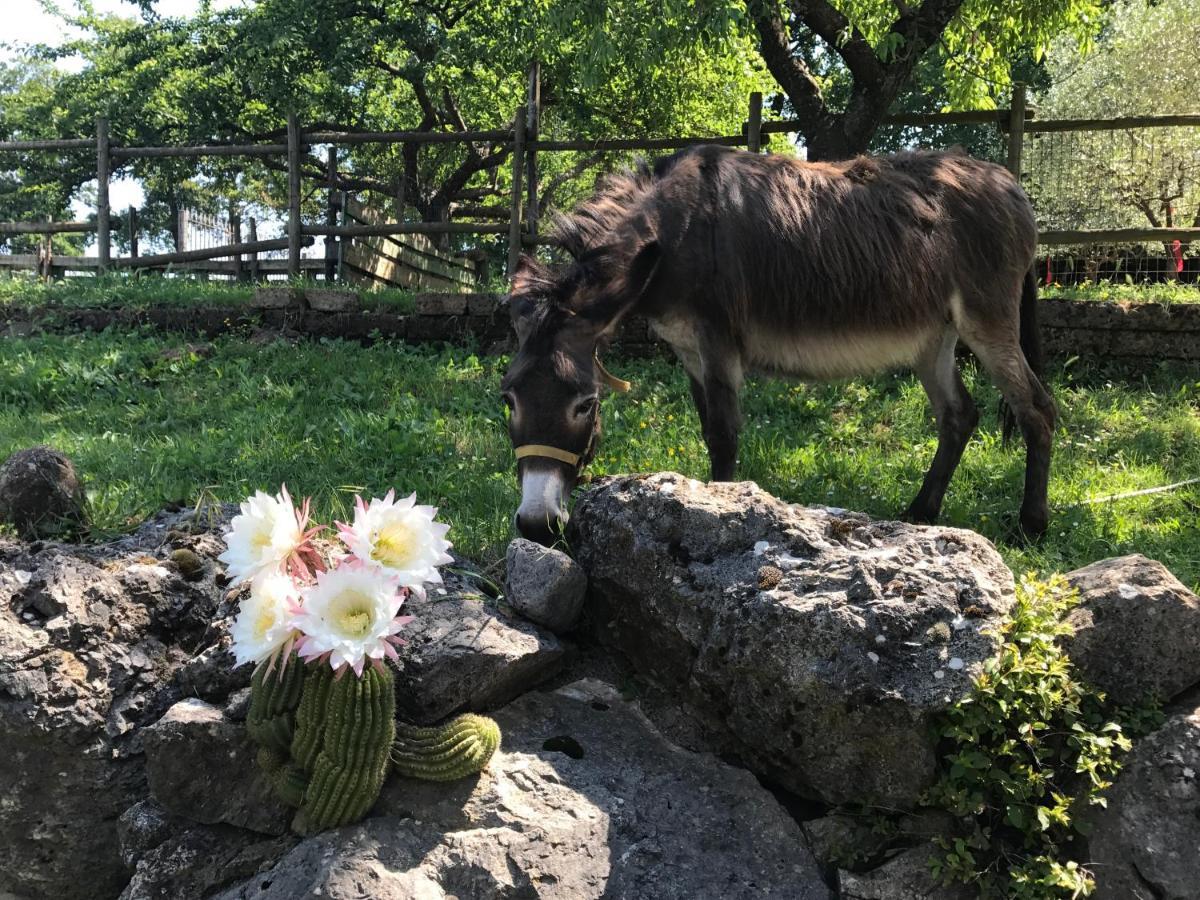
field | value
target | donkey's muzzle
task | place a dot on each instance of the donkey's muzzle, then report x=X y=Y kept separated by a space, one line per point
x=542 y=515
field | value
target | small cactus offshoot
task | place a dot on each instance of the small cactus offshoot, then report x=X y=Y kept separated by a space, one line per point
x=274 y=696
x=349 y=770
x=461 y=747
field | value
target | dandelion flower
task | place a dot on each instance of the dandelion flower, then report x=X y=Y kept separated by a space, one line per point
x=399 y=537
x=263 y=624
x=269 y=535
x=350 y=617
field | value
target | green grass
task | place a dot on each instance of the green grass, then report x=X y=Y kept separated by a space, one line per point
x=1125 y=292
x=332 y=418
x=124 y=290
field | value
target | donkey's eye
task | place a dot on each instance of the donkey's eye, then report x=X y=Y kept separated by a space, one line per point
x=508 y=401
x=586 y=407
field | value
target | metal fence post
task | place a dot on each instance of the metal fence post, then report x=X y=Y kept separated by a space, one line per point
x=518 y=170
x=293 y=166
x=103 y=171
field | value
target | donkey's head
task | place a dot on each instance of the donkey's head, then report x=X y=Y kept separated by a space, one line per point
x=563 y=319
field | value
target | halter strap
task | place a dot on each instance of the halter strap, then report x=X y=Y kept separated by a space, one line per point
x=565 y=456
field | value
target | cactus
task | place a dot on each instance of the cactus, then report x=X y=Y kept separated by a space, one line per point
x=311 y=715
x=447 y=752
x=274 y=697
x=348 y=772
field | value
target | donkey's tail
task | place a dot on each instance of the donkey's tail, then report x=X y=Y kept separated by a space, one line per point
x=1031 y=346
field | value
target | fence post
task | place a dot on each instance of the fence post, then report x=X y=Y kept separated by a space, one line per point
x=133 y=232
x=235 y=229
x=518 y=170
x=103 y=224
x=754 y=123
x=1016 y=130
x=293 y=164
x=254 y=256
x=331 y=216
x=533 y=124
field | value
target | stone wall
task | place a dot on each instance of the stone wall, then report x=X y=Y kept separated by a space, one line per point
x=1088 y=329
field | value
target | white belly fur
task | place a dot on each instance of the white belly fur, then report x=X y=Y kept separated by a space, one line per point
x=817 y=356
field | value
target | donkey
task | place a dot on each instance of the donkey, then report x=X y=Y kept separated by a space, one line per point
x=743 y=262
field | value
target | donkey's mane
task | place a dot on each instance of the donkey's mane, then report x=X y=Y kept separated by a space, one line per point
x=592 y=223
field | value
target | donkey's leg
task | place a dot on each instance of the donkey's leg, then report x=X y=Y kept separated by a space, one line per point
x=721 y=382
x=956 y=416
x=1036 y=415
x=700 y=401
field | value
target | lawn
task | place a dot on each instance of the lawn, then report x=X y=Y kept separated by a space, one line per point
x=333 y=418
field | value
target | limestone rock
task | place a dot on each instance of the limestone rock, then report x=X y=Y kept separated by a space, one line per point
x=584 y=799
x=545 y=585
x=201 y=766
x=904 y=877
x=872 y=630
x=465 y=652
x=1146 y=844
x=91 y=638
x=1137 y=630
x=40 y=494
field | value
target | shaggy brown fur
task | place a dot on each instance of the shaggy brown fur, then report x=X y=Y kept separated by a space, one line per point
x=749 y=262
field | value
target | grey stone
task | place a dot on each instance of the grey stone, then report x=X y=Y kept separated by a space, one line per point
x=545 y=585
x=837 y=669
x=201 y=765
x=90 y=640
x=143 y=827
x=483 y=304
x=330 y=301
x=904 y=877
x=466 y=652
x=1137 y=630
x=1145 y=845
x=431 y=304
x=202 y=859
x=40 y=494
x=276 y=298
x=615 y=811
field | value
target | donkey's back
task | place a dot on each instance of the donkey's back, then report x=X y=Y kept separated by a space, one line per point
x=833 y=269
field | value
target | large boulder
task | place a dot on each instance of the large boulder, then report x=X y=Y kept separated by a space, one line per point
x=816 y=645
x=201 y=765
x=1145 y=844
x=465 y=651
x=907 y=876
x=91 y=642
x=1137 y=630
x=584 y=799
x=40 y=494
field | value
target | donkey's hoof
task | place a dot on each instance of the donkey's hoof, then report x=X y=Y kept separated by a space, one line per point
x=917 y=515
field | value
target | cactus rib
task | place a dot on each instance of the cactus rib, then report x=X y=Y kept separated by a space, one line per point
x=274 y=697
x=447 y=752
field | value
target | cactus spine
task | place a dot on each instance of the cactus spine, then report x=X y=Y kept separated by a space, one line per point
x=274 y=697
x=349 y=770
x=447 y=752
x=311 y=716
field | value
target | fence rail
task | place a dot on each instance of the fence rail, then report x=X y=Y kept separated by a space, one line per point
x=522 y=140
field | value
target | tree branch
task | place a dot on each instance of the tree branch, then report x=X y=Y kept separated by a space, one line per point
x=835 y=29
x=793 y=76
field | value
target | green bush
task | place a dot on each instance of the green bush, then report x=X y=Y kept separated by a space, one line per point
x=1032 y=747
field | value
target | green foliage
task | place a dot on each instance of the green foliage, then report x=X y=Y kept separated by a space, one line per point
x=1031 y=748
x=447 y=752
x=1166 y=293
x=274 y=696
x=348 y=773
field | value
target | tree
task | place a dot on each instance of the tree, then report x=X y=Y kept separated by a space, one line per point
x=879 y=44
x=450 y=65
x=1143 y=63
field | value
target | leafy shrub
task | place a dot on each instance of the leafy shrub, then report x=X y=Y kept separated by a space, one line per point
x=1032 y=747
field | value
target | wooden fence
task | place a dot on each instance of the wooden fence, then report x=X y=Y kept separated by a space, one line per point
x=523 y=141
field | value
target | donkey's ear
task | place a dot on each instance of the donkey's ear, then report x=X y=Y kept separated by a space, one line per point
x=528 y=276
x=642 y=269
